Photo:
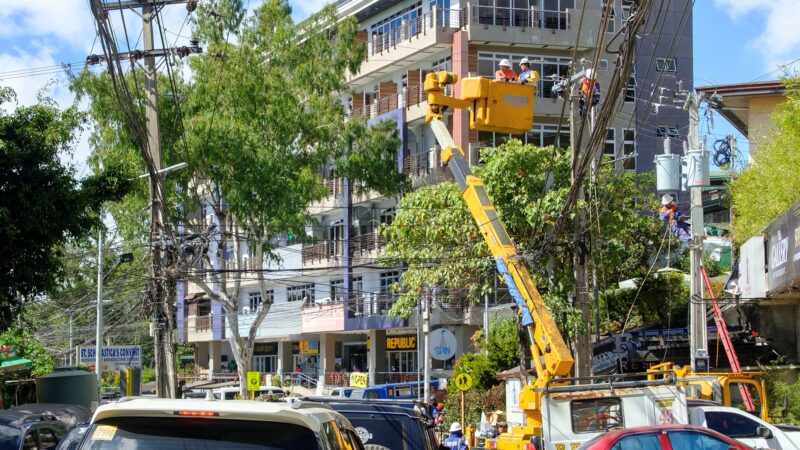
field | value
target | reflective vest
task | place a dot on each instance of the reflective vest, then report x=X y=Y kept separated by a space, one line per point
x=505 y=75
x=586 y=85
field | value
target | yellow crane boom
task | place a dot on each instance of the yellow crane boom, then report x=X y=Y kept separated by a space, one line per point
x=501 y=107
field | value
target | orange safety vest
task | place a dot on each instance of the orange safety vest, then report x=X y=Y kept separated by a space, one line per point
x=586 y=85
x=503 y=74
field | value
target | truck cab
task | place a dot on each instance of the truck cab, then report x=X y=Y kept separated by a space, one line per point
x=746 y=428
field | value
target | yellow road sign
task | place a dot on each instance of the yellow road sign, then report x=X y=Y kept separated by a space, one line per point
x=253 y=381
x=463 y=381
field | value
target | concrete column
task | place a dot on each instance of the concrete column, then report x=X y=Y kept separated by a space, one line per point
x=285 y=357
x=461 y=68
x=214 y=356
x=377 y=353
x=327 y=352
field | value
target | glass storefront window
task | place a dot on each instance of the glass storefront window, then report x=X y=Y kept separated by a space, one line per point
x=402 y=361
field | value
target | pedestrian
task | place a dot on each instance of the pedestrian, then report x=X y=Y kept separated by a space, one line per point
x=505 y=72
x=527 y=75
x=671 y=215
x=588 y=93
x=431 y=409
x=456 y=439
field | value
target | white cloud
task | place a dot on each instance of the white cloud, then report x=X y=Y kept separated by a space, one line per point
x=779 y=42
x=68 y=21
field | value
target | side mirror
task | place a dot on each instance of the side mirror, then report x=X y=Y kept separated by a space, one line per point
x=764 y=432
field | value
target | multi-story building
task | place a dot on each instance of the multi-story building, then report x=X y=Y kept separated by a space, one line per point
x=329 y=301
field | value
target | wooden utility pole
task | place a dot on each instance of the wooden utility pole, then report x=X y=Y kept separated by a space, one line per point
x=150 y=140
x=583 y=346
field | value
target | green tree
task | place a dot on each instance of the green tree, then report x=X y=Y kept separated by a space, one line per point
x=43 y=205
x=769 y=185
x=28 y=346
x=436 y=237
x=503 y=345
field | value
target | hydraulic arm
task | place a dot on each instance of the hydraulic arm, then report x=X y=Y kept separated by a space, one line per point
x=501 y=107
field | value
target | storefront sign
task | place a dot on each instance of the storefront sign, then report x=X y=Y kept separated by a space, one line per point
x=113 y=357
x=443 y=344
x=401 y=342
x=783 y=252
x=7 y=352
x=309 y=347
x=358 y=379
x=265 y=348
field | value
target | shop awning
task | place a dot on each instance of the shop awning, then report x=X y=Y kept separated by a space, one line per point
x=14 y=364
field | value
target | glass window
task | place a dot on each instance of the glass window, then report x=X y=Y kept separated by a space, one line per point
x=647 y=441
x=255 y=301
x=630 y=89
x=389 y=278
x=30 y=441
x=730 y=424
x=629 y=148
x=144 y=433
x=47 y=439
x=300 y=293
x=610 y=143
x=666 y=65
x=736 y=396
x=696 y=440
x=595 y=415
x=337 y=290
x=667 y=132
x=9 y=437
x=611 y=18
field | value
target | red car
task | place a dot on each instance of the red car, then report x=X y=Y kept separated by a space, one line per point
x=663 y=437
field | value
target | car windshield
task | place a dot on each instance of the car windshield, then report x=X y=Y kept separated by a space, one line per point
x=150 y=433
x=9 y=437
x=393 y=431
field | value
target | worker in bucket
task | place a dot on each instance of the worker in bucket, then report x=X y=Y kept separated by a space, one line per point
x=673 y=218
x=589 y=91
x=505 y=72
x=456 y=439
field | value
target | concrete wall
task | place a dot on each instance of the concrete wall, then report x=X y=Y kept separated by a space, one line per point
x=760 y=118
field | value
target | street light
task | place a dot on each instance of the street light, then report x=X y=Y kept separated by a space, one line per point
x=98 y=345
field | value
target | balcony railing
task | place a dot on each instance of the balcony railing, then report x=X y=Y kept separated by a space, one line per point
x=409 y=96
x=359 y=245
x=371 y=304
x=519 y=17
x=443 y=18
x=423 y=163
x=202 y=324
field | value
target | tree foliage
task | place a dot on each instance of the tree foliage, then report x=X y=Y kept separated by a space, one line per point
x=436 y=237
x=502 y=347
x=43 y=206
x=29 y=347
x=769 y=185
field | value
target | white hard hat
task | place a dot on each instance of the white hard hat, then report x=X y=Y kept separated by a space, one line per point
x=455 y=427
x=504 y=62
x=666 y=199
x=590 y=74
x=524 y=61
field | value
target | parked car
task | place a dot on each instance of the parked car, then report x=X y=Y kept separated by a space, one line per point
x=20 y=430
x=156 y=424
x=663 y=437
x=74 y=437
x=385 y=424
x=743 y=426
x=409 y=390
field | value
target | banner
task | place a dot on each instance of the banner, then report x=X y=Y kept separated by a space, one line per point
x=113 y=357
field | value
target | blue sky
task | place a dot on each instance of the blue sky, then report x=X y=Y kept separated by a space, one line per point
x=734 y=41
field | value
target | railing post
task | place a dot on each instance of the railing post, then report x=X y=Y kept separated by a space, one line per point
x=534 y=22
x=404 y=31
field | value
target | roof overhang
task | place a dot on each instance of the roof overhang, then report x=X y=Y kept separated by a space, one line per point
x=735 y=107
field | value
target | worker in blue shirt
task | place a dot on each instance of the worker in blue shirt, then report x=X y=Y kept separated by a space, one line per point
x=456 y=439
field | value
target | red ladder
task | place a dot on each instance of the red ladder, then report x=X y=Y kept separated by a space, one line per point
x=722 y=329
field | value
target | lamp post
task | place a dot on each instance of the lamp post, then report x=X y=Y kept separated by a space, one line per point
x=123 y=258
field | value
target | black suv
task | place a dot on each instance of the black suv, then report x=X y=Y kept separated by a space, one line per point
x=385 y=424
x=23 y=431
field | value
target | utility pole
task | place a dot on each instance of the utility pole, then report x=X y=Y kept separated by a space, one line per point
x=98 y=344
x=426 y=332
x=150 y=141
x=697 y=305
x=583 y=347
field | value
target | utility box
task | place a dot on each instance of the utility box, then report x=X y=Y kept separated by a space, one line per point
x=695 y=169
x=498 y=106
x=668 y=173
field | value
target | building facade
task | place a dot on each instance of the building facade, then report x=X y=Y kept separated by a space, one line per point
x=328 y=301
